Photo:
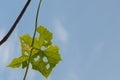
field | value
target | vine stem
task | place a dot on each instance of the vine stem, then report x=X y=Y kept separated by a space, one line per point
x=36 y=23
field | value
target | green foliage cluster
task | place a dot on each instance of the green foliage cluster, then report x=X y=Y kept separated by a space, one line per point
x=44 y=56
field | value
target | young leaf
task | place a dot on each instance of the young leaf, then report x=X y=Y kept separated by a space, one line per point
x=45 y=36
x=25 y=41
x=51 y=56
x=51 y=53
x=16 y=62
x=42 y=60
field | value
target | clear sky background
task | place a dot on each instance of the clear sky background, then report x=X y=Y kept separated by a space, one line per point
x=87 y=32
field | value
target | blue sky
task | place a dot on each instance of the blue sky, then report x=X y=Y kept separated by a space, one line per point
x=87 y=32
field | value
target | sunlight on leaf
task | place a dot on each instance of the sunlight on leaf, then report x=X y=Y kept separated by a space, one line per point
x=17 y=62
x=45 y=55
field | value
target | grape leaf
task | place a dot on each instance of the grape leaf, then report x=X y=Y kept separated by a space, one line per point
x=47 y=60
x=42 y=60
x=52 y=53
x=16 y=63
x=26 y=41
x=45 y=36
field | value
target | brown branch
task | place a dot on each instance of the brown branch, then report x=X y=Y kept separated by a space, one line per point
x=15 y=23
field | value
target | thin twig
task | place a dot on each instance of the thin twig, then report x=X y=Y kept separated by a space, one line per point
x=36 y=22
x=15 y=23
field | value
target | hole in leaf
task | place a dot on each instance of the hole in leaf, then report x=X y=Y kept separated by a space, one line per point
x=26 y=53
x=37 y=58
x=48 y=66
x=43 y=48
x=46 y=42
x=45 y=59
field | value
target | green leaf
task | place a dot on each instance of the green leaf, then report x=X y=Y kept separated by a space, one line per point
x=45 y=36
x=16 y=62
x=42 y=60
x=25 y=41
x=53 y=54
x=46 y=61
